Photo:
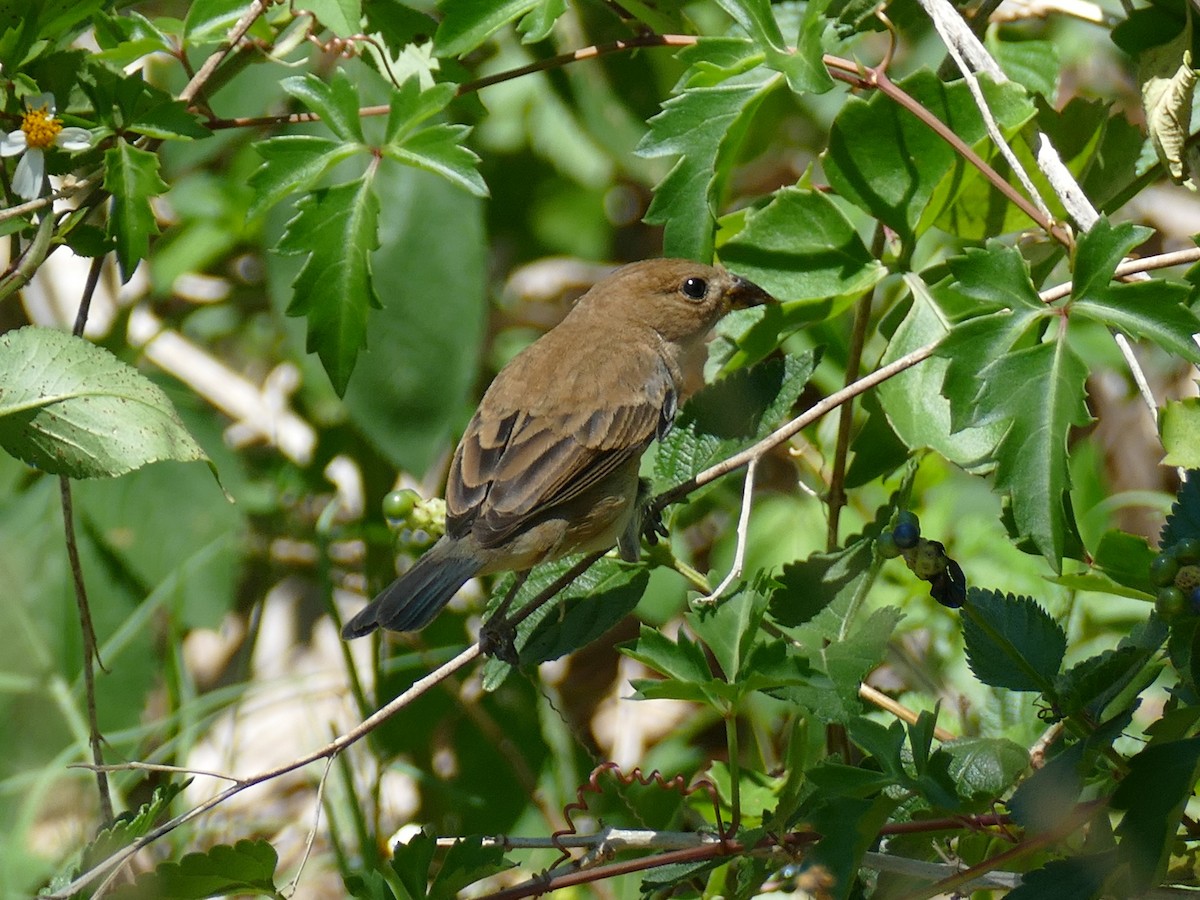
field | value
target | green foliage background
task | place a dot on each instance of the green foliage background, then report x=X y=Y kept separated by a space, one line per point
x=309 y=234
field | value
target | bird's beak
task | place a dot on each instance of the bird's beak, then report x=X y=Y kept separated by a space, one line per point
x=746 y=293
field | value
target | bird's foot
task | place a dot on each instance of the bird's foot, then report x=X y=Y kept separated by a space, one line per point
x=498 y=638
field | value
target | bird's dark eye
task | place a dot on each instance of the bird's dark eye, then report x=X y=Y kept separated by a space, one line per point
x=695 y=288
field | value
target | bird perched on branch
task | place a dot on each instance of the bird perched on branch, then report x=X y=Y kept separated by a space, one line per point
x=548 y=465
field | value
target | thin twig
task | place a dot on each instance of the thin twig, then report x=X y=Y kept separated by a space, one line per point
x=899 y=710
x=416 y=690
x=787 y=430
x=197 y=82
x=743 y=527
x=312 y=832
x=1130 y=267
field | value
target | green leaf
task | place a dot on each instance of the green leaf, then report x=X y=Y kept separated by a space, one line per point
x=894 y=174
x=412 y=385
x=72 y=408
x=1154 y=792
x=808 y=586
x=537 y=24
x=247 y=867
x=1126 y=559
x=292 y=163
x=342 y=17
x=1179 y=426
x=437 y=148
x=468 y=23
x=209 y=21
x=1041 y=391
x=1080 y=877
x=681 y=660
x=1011 y=642
x=336 y=102
x=724 y=417
x=985 y=768
x=411 y=861
x=575 y=616
x=337 y=229
x=801 y=247
x=916 y=409
x=131 y=177
x=803 y=68
x=1184 y=519
x=606 y=599
x=729 y=628
x=1099 y=252
x=466 y=862
x=129 y=826
x=704 y=126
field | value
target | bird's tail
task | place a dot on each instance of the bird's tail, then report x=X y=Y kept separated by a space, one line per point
x=411 y=601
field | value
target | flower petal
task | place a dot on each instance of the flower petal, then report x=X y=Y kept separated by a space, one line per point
x=12 y=143
x=37 y=101
x=74 y=139
x=31 y=172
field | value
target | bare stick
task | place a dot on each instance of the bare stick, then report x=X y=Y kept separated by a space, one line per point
x=739 y=555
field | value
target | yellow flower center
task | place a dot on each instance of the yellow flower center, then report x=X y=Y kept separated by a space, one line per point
x=40 y=128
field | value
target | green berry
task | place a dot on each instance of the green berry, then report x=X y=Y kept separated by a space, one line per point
x=1171 y=604
x=886 y=545
x=1187 y=551
x=1163 y=570
x=398 y=505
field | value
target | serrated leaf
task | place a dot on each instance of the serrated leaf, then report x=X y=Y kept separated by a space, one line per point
x=576 y=615
x=681 y=660
x=997 y=276
x=292 y=163
x=72 y=408
x=468 y=23
x=1075 y=878
x=985 y=767
x=247 y=867
x=803 y=67
x=336 y=102
x=337 y=228
x=1011 y=642
x=723 y=417
x=916 y=409
x=704 y=126
x=730 y=627
x=466 y=861
x=1179 y=426
x=435 y=148
x=1099 y=252
x=1093 y=682
x=1154 y=792
x=584 y=619
x=808 y=586
x=131 y=177
x=801 y=247
x=1041 y=391
x=1184 y=518
x=411 y=861
x=130 y=826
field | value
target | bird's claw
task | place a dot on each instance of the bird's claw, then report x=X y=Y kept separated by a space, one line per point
x=498 y=638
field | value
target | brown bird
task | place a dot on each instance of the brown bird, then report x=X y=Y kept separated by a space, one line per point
x=548 y=465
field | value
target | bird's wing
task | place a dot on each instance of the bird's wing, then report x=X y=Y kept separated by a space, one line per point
x=514 y=464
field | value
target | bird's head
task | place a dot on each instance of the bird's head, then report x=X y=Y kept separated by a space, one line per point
x=679 y=299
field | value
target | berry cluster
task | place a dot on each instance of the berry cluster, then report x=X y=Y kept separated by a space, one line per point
x=927 y=559
x=1176 y=574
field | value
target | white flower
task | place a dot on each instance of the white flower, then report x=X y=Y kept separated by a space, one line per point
x=39 y=132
